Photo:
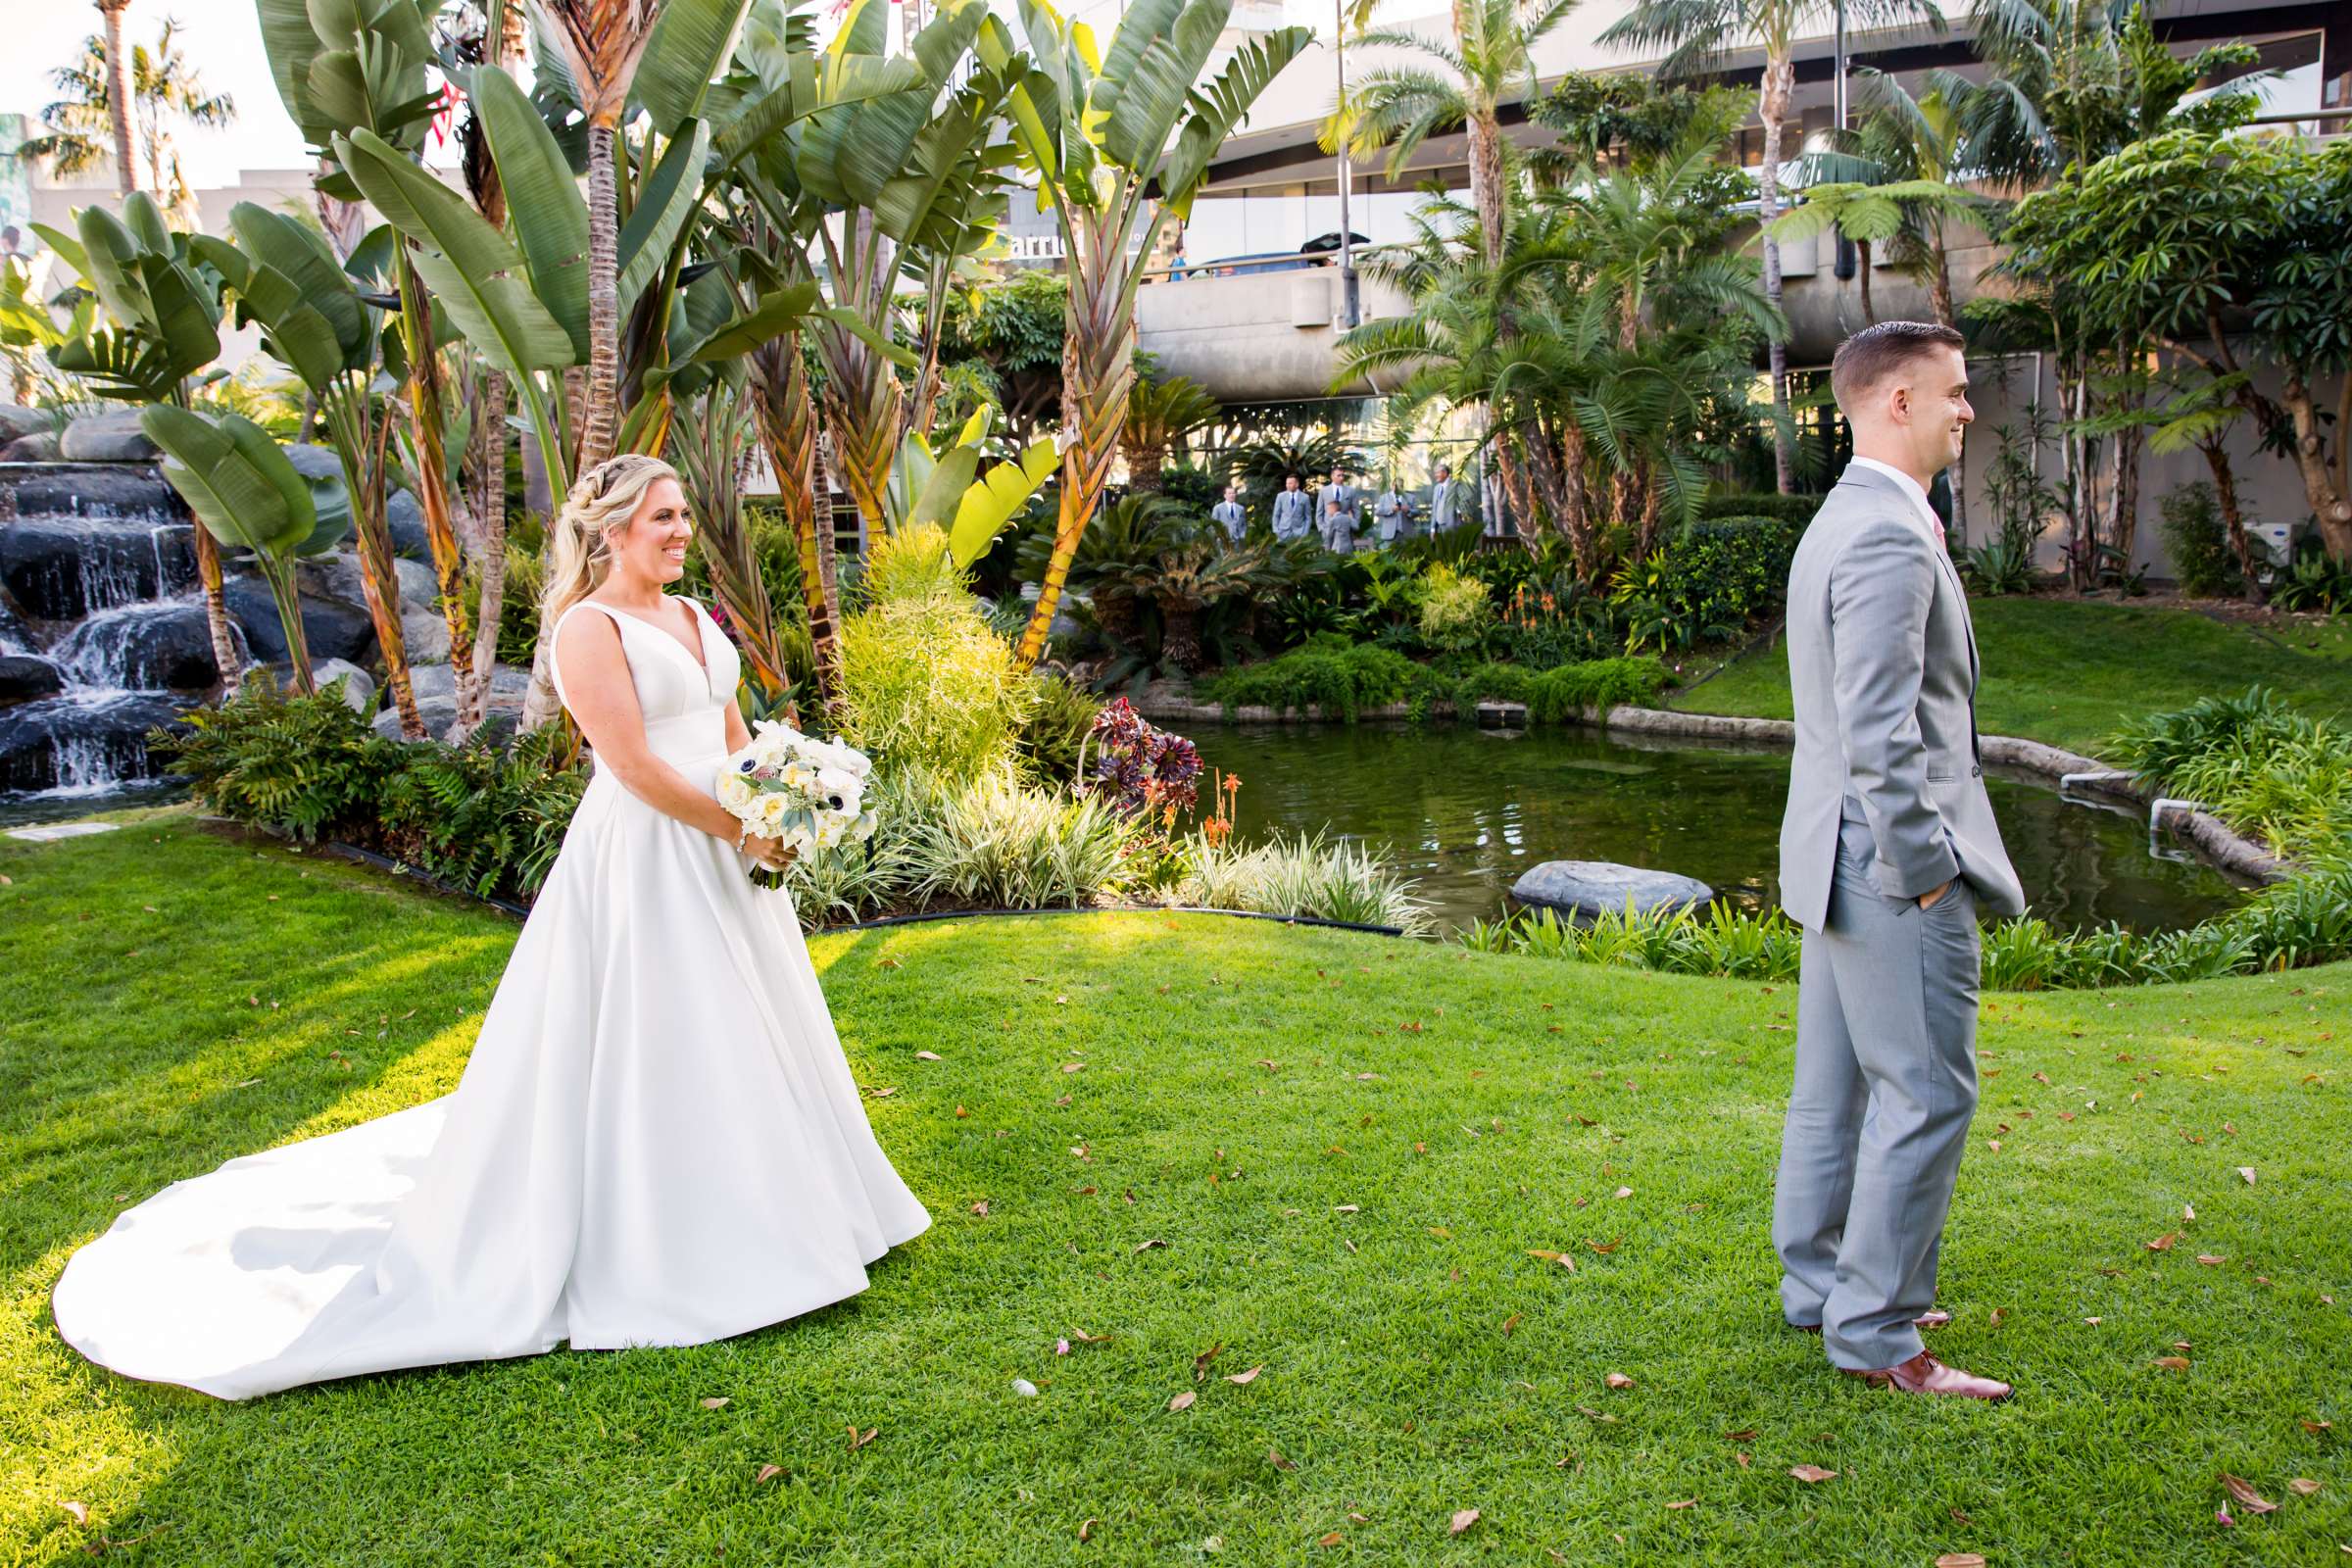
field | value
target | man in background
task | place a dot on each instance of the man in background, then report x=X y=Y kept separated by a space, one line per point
x=1341 y=513
x=1228 y=514
x=1294 y=511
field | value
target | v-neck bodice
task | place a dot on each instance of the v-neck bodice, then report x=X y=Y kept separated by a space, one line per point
x=682 y=701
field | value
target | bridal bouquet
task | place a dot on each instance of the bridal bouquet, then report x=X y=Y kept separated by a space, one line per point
x=808 y=792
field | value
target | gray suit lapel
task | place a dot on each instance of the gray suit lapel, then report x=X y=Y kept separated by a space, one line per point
x=1888 y=492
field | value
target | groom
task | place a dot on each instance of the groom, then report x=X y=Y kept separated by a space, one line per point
x=1887 y=851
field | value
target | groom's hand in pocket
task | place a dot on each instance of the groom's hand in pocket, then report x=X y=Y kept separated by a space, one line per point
x=1929 y=900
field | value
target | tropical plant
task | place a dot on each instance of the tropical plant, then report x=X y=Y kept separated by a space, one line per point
x=1303 y=877
x=162 y=306
x=1699 y=36
x=1456 y=610
x=711 y=450
x=1162 y=416
x=315 y=321
x=1119 y=143
x=2197 y=544
x=246 y=495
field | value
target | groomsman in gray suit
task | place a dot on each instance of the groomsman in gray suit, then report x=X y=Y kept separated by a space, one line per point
x=1444 y=501
x=1888 y=850
x=1294 y=511
x=1343 y=504
x=1228 y=514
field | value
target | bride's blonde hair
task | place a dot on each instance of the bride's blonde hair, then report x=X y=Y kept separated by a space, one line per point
x=579 y=546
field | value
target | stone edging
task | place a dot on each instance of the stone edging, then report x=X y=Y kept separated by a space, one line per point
x=2221 y=844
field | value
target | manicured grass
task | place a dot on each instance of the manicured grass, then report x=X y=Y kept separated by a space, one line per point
x=2068 y=672
x=1347 y=1145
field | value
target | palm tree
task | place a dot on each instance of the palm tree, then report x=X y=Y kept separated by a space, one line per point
x=1488 y=60
x=1701 y=36
x=1118 y=148
x=1160 y=415
x=164 y=89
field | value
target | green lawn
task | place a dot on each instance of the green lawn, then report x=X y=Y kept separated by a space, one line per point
x=1348 y=1146
x=2068 y=672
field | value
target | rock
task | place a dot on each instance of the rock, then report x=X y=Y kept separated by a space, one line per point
x=405 y=519
x=509 y=683
x=114 y=436
x=359 y=687
x=313 y=461
x=64 y=567
x=14 y=638
x=16 y=420
x=40 y=446
x=165 y=646
x=135 y=492
x=424 y=634
x=24 y=676
x=419 y=587
x=75 y=741
x=439 y=713
x=1586 y=888
x=334 y=630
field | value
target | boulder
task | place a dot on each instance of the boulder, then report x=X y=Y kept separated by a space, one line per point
x=39 y=446
x=333 y=630
x=74 y=741
x=114 y=436
x=419 y=587
x=25 y=676
x=424 y=633
x=163 y=645
x=16 y=420
x=1586 y=888
x=405 y=519
x=132 y=491
x=359 y=687
x=65 y=567
x=509 y=683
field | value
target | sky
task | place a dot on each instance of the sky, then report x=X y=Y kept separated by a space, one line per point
x=223 y=40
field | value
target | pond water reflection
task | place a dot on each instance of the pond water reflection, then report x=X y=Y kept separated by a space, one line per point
x=1467 y=811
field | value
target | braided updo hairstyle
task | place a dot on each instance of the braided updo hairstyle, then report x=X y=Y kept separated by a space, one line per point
x=600 y=505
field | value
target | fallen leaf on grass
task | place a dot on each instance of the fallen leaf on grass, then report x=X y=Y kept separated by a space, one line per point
x=2247 y=1171
x=929 y=1055
x=2163 y=1243
x=1249 y=1375
x=719 y=1404
x=1182 y=1402
x=1509 y=1324
x=2243 y=1491
x=1588 y=1411
x=1347 y=1208
x=1812 y=1474
x=1561 y=1258
x=1961 y=1559
x=2303 y=1486
x=1622 y=1192
x=1201 y=1361
x=1073 y=1066
x=1275 y=1459
x=1618 y=1380
x=1144 y=1246
x=79 y=1510
x=859 y=1439
x=767 y=1473
x=2314 y=1428
x=1686 y=1502
x=1599 y=1246
x=962 y=1115
x=1331 y=1539
x=1463 y=1519
x=981 y=1209
x=2173 y=1364
x=1743 y=1434
x=1086 y=1531
x=1742 y=1458
x=2188 y=1213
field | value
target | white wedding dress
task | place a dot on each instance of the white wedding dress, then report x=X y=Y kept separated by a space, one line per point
x=657 y=1139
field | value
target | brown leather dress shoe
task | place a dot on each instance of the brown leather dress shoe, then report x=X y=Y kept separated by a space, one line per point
x=1923 y=1374
x=1925 y=1320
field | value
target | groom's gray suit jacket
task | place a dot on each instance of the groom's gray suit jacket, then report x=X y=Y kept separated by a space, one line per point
x=1882 y=673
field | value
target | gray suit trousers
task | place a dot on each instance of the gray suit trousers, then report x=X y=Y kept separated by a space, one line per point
x=1886 y=1086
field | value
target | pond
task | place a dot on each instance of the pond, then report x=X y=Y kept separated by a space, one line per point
x=1466 y=811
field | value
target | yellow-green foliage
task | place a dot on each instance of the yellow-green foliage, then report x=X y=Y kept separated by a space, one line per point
x=1455 y=609
x=926 y=679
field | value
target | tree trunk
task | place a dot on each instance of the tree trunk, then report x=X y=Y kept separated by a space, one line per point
x=1486 y=183
x=599 y=423
x=866 y=409
x=1780 y=77
x=2234 y=517
x=1180 y=636
x=490 y=523
x=117 y=96
x=360 y=442
x=1097 y=369
x=427 y=431
x=788 y=431
x=215 y=613
x=1870 y=312
x=1146 y=464
x=2322 y=491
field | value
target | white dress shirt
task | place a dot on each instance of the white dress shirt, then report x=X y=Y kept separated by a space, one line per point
x=1911 y=488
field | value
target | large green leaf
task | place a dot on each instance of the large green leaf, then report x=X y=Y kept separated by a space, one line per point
x=543 y=199
x=241 y=487
x=1158 y=52
x=1222 y=107
x=292 y=43
x=937 y=177
x=941 y=487
x=664 y=202
x=474 y=273
x=111 y=267
x=987 y=505
x=859 y=140
x=691 y=42
x=774 y=315
x=297 y=252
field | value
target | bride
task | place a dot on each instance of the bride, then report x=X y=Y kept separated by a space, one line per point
x=657 y=1139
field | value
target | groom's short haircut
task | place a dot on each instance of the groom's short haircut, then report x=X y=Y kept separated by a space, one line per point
x=1879 y=350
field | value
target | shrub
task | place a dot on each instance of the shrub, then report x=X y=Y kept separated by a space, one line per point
x=1060 y=718
x=2197 y=543
x=1791 y=512
x=1305 y=878
x=1329 y=673
x=925 y=680
x=2254 y=763
x=1145 y=773
x=1456 y=610
x=293 y=764
x=1706 y=585
x=996 y=843
x=477 y=817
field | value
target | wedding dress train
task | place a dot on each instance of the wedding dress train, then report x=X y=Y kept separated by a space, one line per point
x=657 y=1139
